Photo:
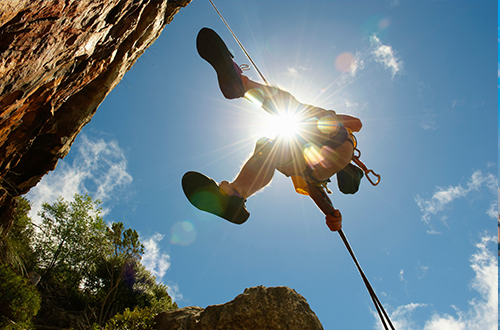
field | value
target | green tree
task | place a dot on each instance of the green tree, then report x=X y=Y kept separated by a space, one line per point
x=15 y=242
x=89 y=267
x=71 y=237
x=19 y=300
x=140 y=318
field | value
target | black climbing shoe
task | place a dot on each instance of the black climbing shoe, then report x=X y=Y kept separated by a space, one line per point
x=204 y=194
x=212 y=49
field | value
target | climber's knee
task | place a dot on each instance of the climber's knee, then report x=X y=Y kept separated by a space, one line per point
x=263 y=147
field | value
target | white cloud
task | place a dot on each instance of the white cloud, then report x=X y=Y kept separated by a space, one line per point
x=294 y=72
x=422 y=271
x=99 y=169
x=357 y=64
x=156 y=262
x=443 y=197
x=483 y=310
x=377 y=52
x=428 y=121
x=401 y=318
x=174 y=292
x=482 y=313
x=493 y=210
x=401 y=275
x=386 y=55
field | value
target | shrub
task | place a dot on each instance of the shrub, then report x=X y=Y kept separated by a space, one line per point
x=19 y=300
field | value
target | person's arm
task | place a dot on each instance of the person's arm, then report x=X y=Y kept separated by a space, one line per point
x=353 y=123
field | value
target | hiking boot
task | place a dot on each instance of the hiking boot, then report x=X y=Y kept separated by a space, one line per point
x=205 y=194
x=213 y=50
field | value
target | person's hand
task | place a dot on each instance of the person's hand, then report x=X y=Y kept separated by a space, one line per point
x=334 y=222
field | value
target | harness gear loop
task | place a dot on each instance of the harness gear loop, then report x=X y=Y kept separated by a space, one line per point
x=355 y=159
x=244 y=67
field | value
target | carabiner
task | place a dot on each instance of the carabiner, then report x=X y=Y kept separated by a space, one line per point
x=369 y=179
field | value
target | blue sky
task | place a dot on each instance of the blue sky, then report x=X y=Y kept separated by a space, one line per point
x=420 y=76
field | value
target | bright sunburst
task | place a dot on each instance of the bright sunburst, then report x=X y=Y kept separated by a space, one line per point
x=285 y=125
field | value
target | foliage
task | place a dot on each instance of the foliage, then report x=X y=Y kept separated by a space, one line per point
x=72 y=236
x=19 y=300
x=89 y=271
x=88 y=267
x=15 y=247
x=139 y=318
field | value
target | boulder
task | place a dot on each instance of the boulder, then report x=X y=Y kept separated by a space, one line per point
x=256 y=308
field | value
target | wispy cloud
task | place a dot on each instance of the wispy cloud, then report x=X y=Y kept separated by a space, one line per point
x=350 y=65
x=386 y=55
x=357 y=64
x=443 y=197
x=295 y=72
x=401 y=275
x=428 y=121
x=174 y=292
x=401 y=317
x=99 y=169
x=482 y=313
x=422 y=271
x=156 y=262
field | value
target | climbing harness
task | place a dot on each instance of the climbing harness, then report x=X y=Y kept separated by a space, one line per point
x=317 y=192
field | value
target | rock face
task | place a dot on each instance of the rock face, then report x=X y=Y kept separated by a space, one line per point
x=256 y=308
x=58 y=61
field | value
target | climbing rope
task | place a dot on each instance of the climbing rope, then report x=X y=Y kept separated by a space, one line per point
x=240 y=44
x=324 y=203
x=373 y=295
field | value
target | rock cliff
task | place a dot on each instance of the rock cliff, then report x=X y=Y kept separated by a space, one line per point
x=59 y=59
x=256 y=308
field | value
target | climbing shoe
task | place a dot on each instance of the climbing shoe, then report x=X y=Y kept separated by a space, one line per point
x=213 y=50
x=205 y=194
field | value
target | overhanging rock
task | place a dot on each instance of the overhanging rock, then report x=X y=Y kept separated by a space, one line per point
x=59 y=59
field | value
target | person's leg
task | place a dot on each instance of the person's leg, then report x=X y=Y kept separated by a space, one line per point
x=256 y=173
x=272 y=99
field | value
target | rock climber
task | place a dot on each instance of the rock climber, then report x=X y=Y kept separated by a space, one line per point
x=322 y=147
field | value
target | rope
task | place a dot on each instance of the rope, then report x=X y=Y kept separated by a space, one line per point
x=324 y=203
x=373 y=295
x=240 y=44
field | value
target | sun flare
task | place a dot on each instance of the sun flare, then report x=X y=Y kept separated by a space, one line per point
x=285 y=125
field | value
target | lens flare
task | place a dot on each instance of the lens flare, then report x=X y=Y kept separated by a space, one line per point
x=256 y=96
x=328 y=125
x=344 y=62
x=312 y=154
x=183 y=233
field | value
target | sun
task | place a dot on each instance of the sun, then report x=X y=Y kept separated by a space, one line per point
x=286 y=125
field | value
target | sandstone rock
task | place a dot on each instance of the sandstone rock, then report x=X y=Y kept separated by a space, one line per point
x=256 y=308
x=59 y=59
